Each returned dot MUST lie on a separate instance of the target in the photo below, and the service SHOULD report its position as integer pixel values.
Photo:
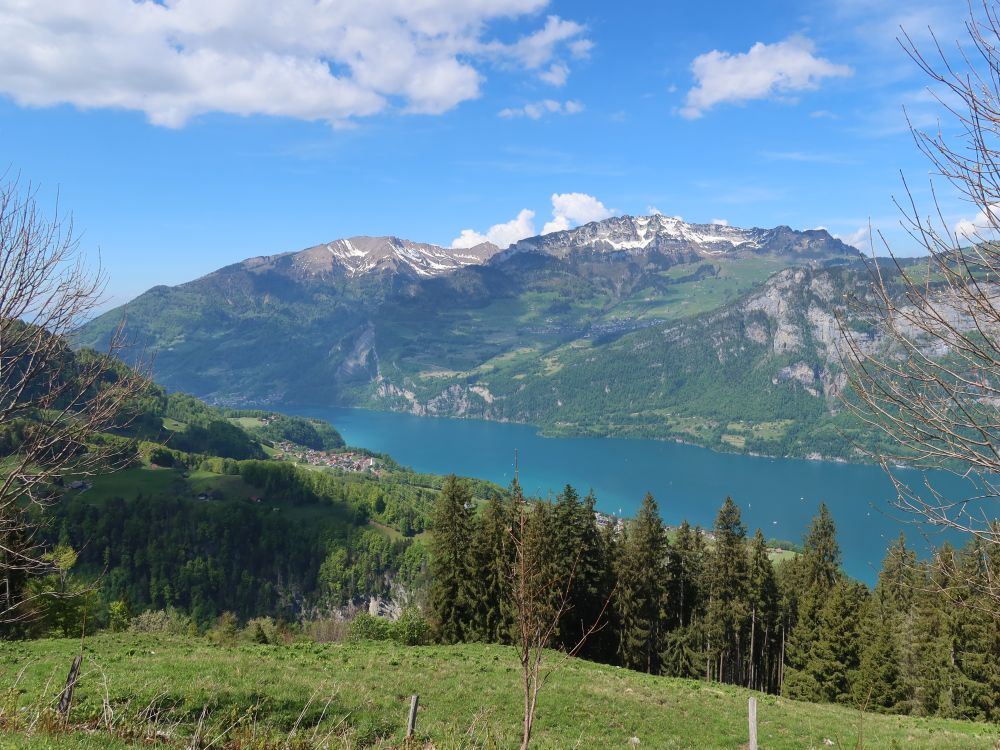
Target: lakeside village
(351, 461)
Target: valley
(631, 327)
(777, 495)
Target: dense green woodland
(203, 529)
(203, 524)
(712, 606)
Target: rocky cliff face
(633, 325)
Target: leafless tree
(53, 403)
(540, 597)
(924, 365)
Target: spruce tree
(808, 585)
(976, 640)
(450, 594)
(891, 633)
(685, 637)
(490, 575)
(763, 601)
(641, 591)
(728, 614)
(591, 591)
(880, 685)
(831, 670)
(821, 553)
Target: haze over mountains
(643, 326)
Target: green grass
(150, 482)
(131, 482)
(468, 698)
(247, 423)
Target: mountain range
(639, 326)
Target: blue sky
(186, 135)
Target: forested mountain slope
(629, 326)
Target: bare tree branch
(53, 402)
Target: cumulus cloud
(556, 74)
(859, 238)
(330, 61)
(572, 209)
(536, 110)
(653, 211)
(764, 71)
(568, 211)
(720, 222)
(501, 235)
(535, 50)
(981, 227)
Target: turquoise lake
(778, 495)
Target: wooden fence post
(753, 724)
(67, 694)
(411, 722)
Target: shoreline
(548, 434)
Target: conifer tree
(728, 613)
(807, 587)
(880, 684)
(975, 636)
(450, 594)
(890, 630)
(835, 657)
(685, 637)
(641, 589)
(821, 553)
(592, 586)
(763, 600)
(491, 564)
(935, 681)
(688, 564)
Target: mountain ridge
(524, 334)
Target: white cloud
(536, 50)
(653, 211)
(310, 60)
(556, 74)
(720, 222)
(859, 238)
(501, 235)
(764, 71)
(980, 227)
(572, 209)
(568, 211)
(580, 48)
(536, 110)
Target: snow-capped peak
(361, 255)
(671, 235)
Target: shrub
(411, 629)
(261, 630)
(225, 630)
(118, 617)
(329, 631)
(366, 627)
(168, 621)
(161, 457)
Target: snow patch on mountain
(358, 256)
(671, 235)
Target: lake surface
(778, 495)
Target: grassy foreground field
(307, 695)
